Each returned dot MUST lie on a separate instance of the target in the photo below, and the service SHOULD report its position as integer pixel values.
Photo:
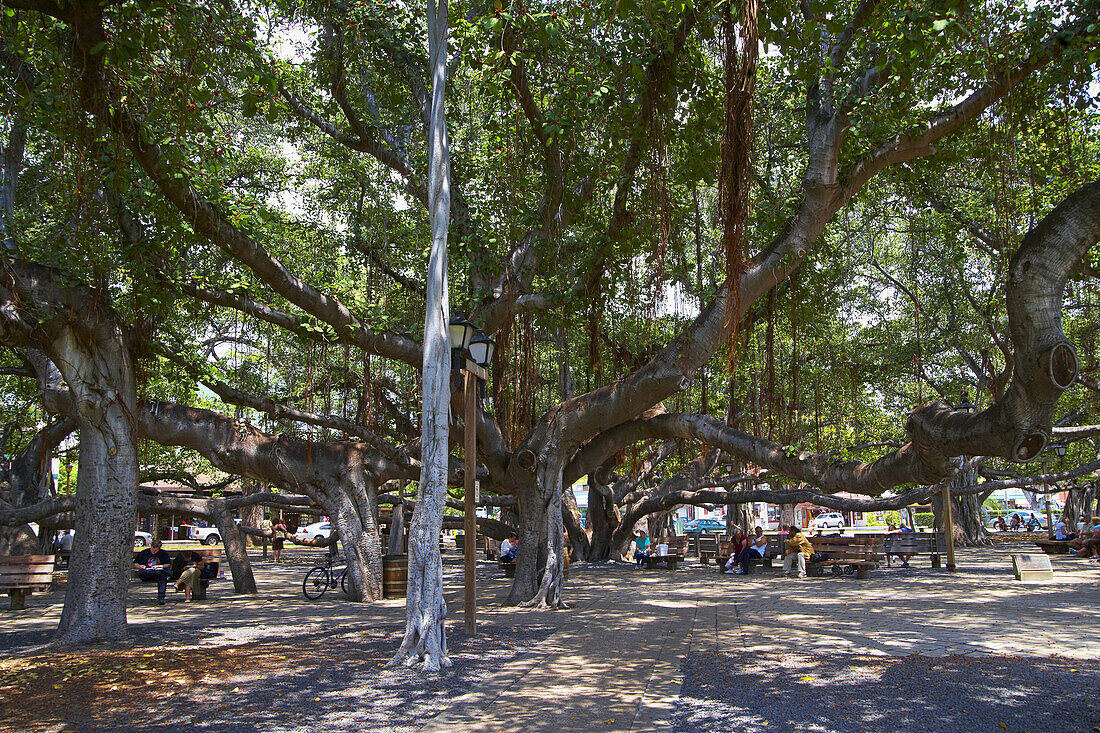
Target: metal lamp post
(466, 338)
(1059, 449)
(967, 406)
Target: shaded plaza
(639, 650)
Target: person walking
(278, 538)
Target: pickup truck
(205, 535)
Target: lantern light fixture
(461, 331)
(481, 349)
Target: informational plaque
(1032, 567)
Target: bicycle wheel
(344, 581)
(315, 583)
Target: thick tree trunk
(396, 539)
(531, 534)
(355, 515)
(604, 518)
(236, 552)
(80, 333)
(786, 515)
(552, 563)
(252, 515)
(425, 640)
(966, 512)
(29, 481)
(739, 516)
(100, 375)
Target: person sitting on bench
(799, 550)
(190, 569)
(641, 548)
(154, 564)
(1087, 543)
(1061, 531)
(892, 529)
(738, 543)
(755, 549)
(508, 549)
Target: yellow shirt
(799, 543)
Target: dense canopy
(217, 225)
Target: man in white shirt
(508, 549)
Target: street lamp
(461, 332)
(965, 405)
(1059, 449)
(468, 339)
(481, 349)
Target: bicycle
(322, 577)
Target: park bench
(210, 554)
(21, 575)
(773, 550)
(1053, 547)
(932, 544)
(852, 554)
(677, 552)
(707, 547)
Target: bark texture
(80, 333)
(425, 640)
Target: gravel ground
(739, 693)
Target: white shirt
(759, 544)
(1060, 530)
(505, 546)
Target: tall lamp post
(1060, 451)
(466, 339)
(948, 522)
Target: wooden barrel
(395, 576)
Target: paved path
(613, 661)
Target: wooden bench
(860, 555)
(932, 544)
(1053, 547)
(773, 550)
(707, 546)
(21, 575)
(209, 554)
(669, 561)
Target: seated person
(509, 548)
(189, 569)
(153, 563)
(1061, 531)
(1087, 543)
(799, 550)
(1017, 523)
(642, 550)
(892, 529)
(1033, 523)
(754, 549)
(737, 544)
(1001, 524)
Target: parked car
(827, 520)
(315, 531)
(205, 535)
(1025, 517)
(142, 539)
(704, 525)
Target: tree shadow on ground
(842, 694)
